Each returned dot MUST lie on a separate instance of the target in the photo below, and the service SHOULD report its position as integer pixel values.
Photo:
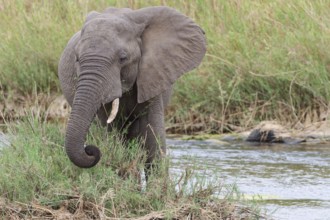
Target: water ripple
(295, 177)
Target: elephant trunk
(82, 114)
(86, 102)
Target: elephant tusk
(114, 110)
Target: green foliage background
(265, 59)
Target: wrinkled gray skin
(134, 55)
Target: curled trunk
(82, 114)
(93, 88)
(85, 104)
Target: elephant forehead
(111, 24)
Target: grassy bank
(265, 59)
(38, 181)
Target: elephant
(121, 67)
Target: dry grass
(77, 208)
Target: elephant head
(119, 48)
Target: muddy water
(294, 180)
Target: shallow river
(294, 180)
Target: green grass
(265, 59)
(38, 180)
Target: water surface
(294, 180)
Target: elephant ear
(172, 44)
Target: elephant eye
(122, 59)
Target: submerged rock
(259, 135)
(271, 132)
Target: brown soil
(50, 106)
(55, 107)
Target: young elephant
(126, 58)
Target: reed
(265, 59)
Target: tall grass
(265, 59)
(37, 180)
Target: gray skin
(133, 55)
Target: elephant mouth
(114, 111)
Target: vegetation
(38, 180)
(265, 59)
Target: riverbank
(38, 181)
(54, 107)
(37, 154)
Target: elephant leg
(150, 128)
